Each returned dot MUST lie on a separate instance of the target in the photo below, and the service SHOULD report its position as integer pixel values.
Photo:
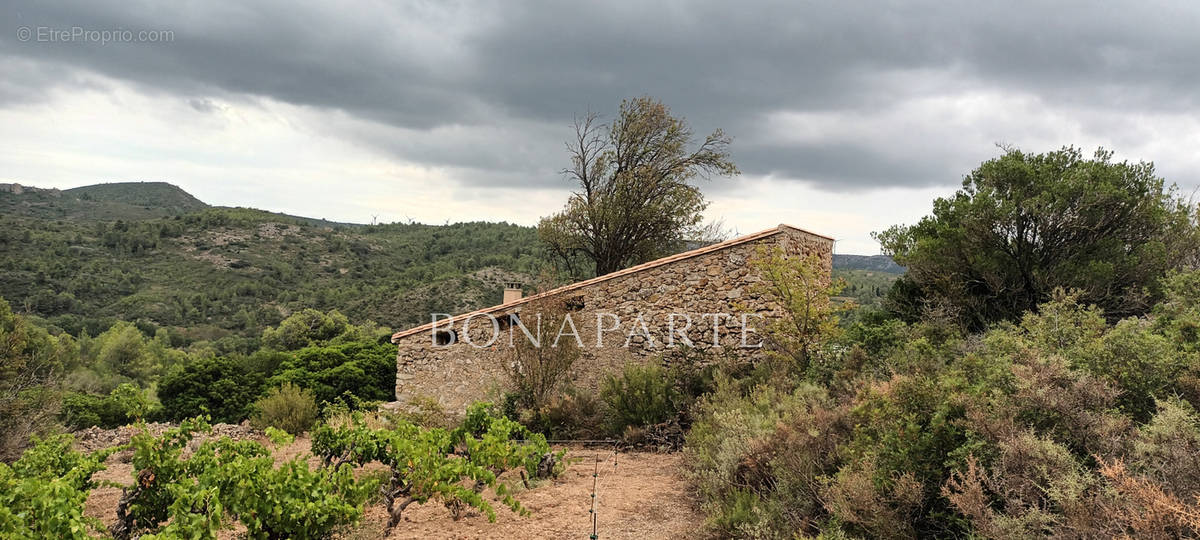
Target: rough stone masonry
(635, 313)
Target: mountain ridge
(173, 200)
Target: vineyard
(357, 476)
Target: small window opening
(445, 337)
(508, 321)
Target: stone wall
(719, 281)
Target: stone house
(704, 298)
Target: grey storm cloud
(491, 88)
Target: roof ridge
(612, 275)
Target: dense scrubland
(1034, 373)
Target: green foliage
(1063, 424)
(1143, 364)
(363, 370)
(641, 395)
(1025, 224)
(451, 466)
(31, 364)
(42, 494)
(123, 351)
(305, 328)
(800, 286)
(637, 197)
(217, 386)
(126, 404)
(288, 407)
(238, 479)
(220, 273)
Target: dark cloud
(491, 89)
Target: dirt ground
(643, 497)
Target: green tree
(123, 350)
(217, 386)
(802, 287)
(1025, 224)
(637, 197)
(365, 370)
(31, 364)
(304, 328)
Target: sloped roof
(613, 275)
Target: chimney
(512, 292)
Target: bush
(288, 407)
(220, 387)
(124, 405)
(758, 458)
(363, 369)
(574, 414)
(536, 369)
(642, 395)
(425, 411)
(31, 361)
(304, 328)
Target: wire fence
(594, 510)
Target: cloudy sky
(846, 118)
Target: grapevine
(42, 494)
(453, 467)
(222, 479)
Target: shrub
(288, 407)
(363, 369)
(536, 369)
(809, 317)
(425, 411)
(81, 411)
(574, 414)
(305, 328)
(31, 362)
(757, 457)
(216, 386)
(124, 405)
(641, 395)
(1143, 364)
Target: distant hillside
(875, 263)
(101, 202)
(144, 194)
(150, 252)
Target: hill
(160, 195)
(152, 253)
(875, 263)
(104, 202)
